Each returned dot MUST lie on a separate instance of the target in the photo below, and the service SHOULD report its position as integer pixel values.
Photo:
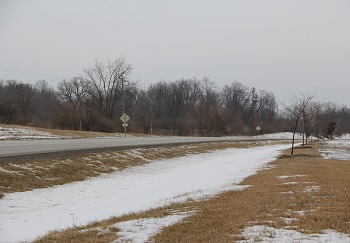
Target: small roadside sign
(125, 118)
(258, 129)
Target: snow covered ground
(265, 234)
(284, 135)
(19, 133)
(280, 135)
(337, 149)
(27, 215)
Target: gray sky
(277, 45)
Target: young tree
(298, 110)
(330, 129)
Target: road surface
(30, 147)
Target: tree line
(186, 107)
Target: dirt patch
(298, 156)
(303, 147)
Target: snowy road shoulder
(27, 215)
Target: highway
(29, 147)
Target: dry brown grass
(306, 189)
(46, 173)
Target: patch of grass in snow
(47, 173)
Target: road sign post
(125, 118)
(258, 129)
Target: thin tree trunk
(295, 128)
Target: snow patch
(17, 133)
(270, 234)
(311, 189)
(141, 230)
(337, 149)
(288, 220)
(287, 177)
(281, 135)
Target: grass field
(304, 194)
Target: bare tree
(108, 82)
(236, 96)
(266, 106)
(298, 110)
(73, 91)
(205, 112)
(174, 98)
(315, 116)
(235, 100)
(75, 95)
(142, 113)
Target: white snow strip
(141, 230)
(287, 177)
(337, 149)
(27, 215)
(270, 234)
(8, 133)
(281, 135)
(310, 189)
(288, 220)
(291, 183)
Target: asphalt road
(31, 147)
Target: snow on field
(281, 135)
(343, 136)
(284, 135)
(269, 234)
(10, 133)
(337, 149)
(140, 230)
(27, 215)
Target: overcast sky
(280, 46)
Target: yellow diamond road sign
(125, 118)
